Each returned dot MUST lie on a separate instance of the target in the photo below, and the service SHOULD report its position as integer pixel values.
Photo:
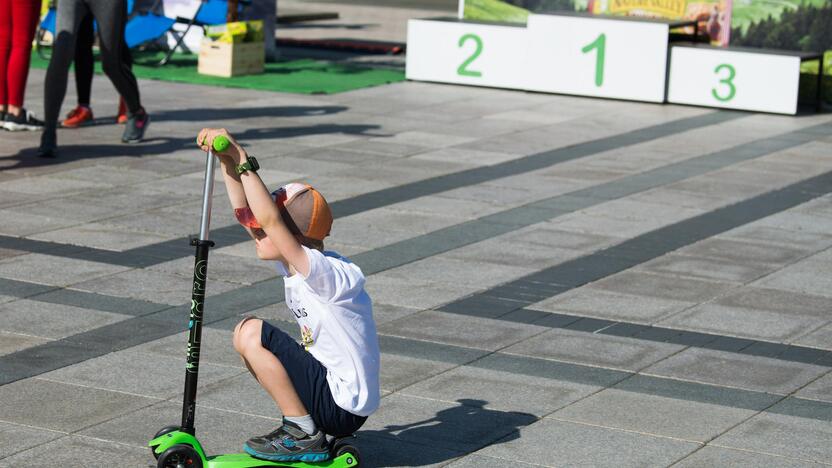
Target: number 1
(600, 44)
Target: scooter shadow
(452, 433)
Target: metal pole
(198, 299)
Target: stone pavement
(557, 281)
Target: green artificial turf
(304, 76)
(494, 10)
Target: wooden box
(227, 60)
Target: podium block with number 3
(598, 56)
(454, 51)
(734, 79)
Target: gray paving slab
(239, 394)
(720, 456)
(596, 350)
(398, 372)
(648, 414)
(56, 271)
(16, 438)
(464, 426)
(11, 342)
(820, 389)
(415, 294)
(675, 288)
(504, 391)
(782, 435)
(127, 371)
(812, 276)
(613, 305)
(150, 286)
(472, 332)
(475, 459)
(51, 321)
(820, 338)
(218, 348)
(737, 370)
(745, 322)
(63, 407)
(78, 452)
(707, 268)
(551, 442)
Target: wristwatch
(250, 164)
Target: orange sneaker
(122, 111)
(78, 117)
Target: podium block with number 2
(614, 58)
(453, 51)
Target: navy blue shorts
(309, 378)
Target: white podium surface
(734, 79)
(454, 51)
(598, 56)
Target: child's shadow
(453, 432)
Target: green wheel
(162, 431)
(179, 456)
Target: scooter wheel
(163, 431)
(179, 456)
(343, 449)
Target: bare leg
(266, 368)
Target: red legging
(18, 21)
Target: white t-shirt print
(335, 316)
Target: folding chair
(209, 13)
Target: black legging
(84, 61)
(111, 16)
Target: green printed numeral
(728, 81)
(600, 45)
(463, 69)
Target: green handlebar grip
(221, 143)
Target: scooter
(177, 446)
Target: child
(331, 383)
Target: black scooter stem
(198, 299)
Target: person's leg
(25, 14)
(69, 15)
(266, 368)
(5, 49)
(84, 61)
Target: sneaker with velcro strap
(289, 443)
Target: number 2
(463, 69)
(732, 90)
(600, 44)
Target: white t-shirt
(335, 316)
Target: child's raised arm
(256, 196)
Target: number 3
(732, 90)
(463, 69)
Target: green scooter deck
(240, 460)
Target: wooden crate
(227, 60)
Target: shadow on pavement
(452, 433)
(221, 113)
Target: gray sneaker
(289, 443)
(22, 122)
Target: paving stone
(612, 305)
(720, 456)
(820, 338)
(11, 342)
(78, 452)
(505, 391)
(218, 431)
(596, 350)
(63, 407)
(57, 271)
(127, 371)
(216, 347)
(151, 286)
(15, 439)
(444, 270)
(646, 284)
(736, 370)
(648, 414)
(465, 425)
(239, 394)
(101, 236)
(472, 332)
(398, 372)
(781, 435)
(744, 322)
(812, 275)
(820, 389)
(707, 268)
(741, 252)
(582, 445)
(51, 321)
(379, 449)
(408, 293)
(222, 267)
(475, 460)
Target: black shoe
(25, 121)
(136, 125)
(48, 144)
(289, 443)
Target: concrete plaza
(558, 281)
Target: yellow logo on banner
(663, 8)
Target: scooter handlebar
(221, 143)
